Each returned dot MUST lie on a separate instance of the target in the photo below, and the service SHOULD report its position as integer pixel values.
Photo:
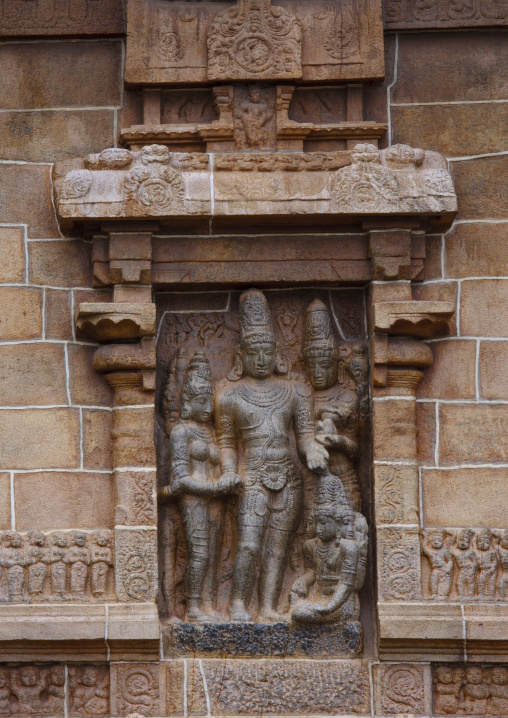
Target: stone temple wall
(103, 632)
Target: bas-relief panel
(261, 427)
(421, 14)
(61, 17)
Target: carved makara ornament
(153, 186)
(254, 40)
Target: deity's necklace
(274, 396)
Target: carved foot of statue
(271, 616)
(314, 613)
(238, 612)
(196, 615)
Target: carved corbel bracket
(422, 319)
(112, 322)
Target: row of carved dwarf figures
(247, 452)
(38, 690)
(73, 565)
(473, 690)
(471, 564)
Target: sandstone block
(5, 501)
(97, 439)
(411, 15)
(444, 67)
(438, 292)
(400, 687)
(86, 385)
(133, 435)
(32, 374)
(398, 563)
(39, 438)
(482, 185)
(136, 503)
(476, 433)
(20, 313)
(12, 250)
(452, 375)
(454, 130)
(494, 370)
(64, 18)
(58, 314)
(476, 250)
(433, 260)
(136, 565)
(394, 430)
(136, 687)
(483, 308)
(60, 74)
(426, 432)
(396, 494)
(32, 184)
(49, 136)
(465, 497)
(52, 500)
(60, 264)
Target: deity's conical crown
(317, 337)
(255, 319)
(198, 377)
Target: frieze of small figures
(412, 14)
(465, 564)
(473, 690)
(56, 566)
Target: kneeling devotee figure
(256, 413)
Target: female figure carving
(193, 466)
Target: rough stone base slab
(267, 687)
(261, 639)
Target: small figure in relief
(56, 690)
(101, 559)
(256, 413)
(252, 116)
(14, 561)
(498, 690)
(466, 562)
(335, 563)
(447, 687)
(436, 548)
(37, 559)
(89, 691)
(502, 551)
(78, 557)
(476, 692)
(194, 464)
(58, 559)
(5, 693)
(487, 565)
(28, 687)
(336, 405)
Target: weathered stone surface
(133, 434)
(260, 639)
(136, 565)
(398, 563)
(12, 249)
(5, 501)
(34, 185)
(483, 305)
(296, 41)
(451, 67)
(60, 263)
(410, 15)
(402, 687)
(454, 130)
(494, 370)
(473, 433)
(52, 500)
(20, 313)
(97, 439)
(448, 503)
(426, 432)
(19, 19)
(58, 314)
(53, 135)
(57, 432)
(483, 187)
(86, 386)
(60, 74)
(452, 375)
(135, 498)
(476, 250)
(396, 491)
(273, 687)
(32, 374)
(394, 430)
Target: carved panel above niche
(189, 42)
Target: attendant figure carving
(194, 464)
(256, 412)
(58, 560)
(89, 691)
(476, 692)
(5, 693)
(56, 689)
(487, 565)
(466, 562)
(499, 691)
(502, 551)
(101, 559)
(337, 407)
(447, 686)
(37, 559)
(28, 686)
(436, 548)
(251, 118)
(78, 557)
(14, 561)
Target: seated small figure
(335, 562)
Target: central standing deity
(256, 412)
